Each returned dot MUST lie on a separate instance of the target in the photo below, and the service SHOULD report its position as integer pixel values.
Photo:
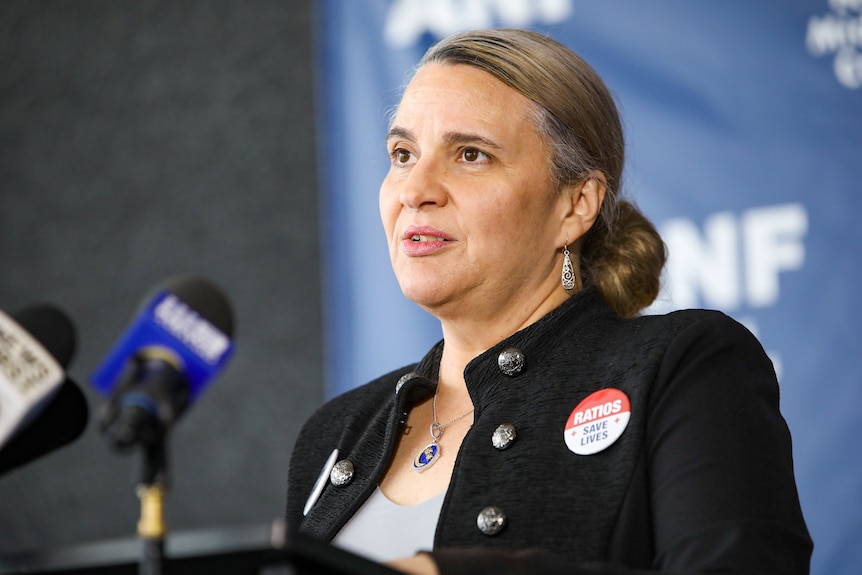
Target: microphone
(40, 409)
(179, 340)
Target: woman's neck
(470, 334)
(468, 337)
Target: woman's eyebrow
(448, 137)
(468, 138)
(397, 132)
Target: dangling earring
(568, 277)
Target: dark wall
(139, 140)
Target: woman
(553, 428)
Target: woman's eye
(401, 156)
(473, 155)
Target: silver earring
(568, 271)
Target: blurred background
(138, 141)
(243, 141)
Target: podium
(267, 549)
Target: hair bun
(625, 262)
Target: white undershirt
(382, 530)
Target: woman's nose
(424, 186)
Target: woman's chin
(425, 294)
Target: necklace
(428, 456)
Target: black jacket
(701, 480)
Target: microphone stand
(151, 492)
(140, 414)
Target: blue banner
(744, 126)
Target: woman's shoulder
(659, 326)
(678, 336)
(685, 317)
(685, 322)
(704, 323)
(709, 347)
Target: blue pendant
(426, 457)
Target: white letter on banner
(708, 265)
(408, 20)
(825, 35)
(848, 67)
(842, 6)
(525, 12)
(773, 243)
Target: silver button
(511, 361)
(491, 520)
(404, 379)
(503, 436)
(342, 473)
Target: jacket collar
(535, 342)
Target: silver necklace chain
(432, 452)
(438, 428)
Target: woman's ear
(585, 199)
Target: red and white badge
(597, 421)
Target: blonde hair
(622, 255)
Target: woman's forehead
(462, 93)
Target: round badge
(597, 421)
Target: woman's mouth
(424, 238)
(424, 241)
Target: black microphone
(40, 408)
(179, 340)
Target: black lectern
(256, 550)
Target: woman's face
(471, 214)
